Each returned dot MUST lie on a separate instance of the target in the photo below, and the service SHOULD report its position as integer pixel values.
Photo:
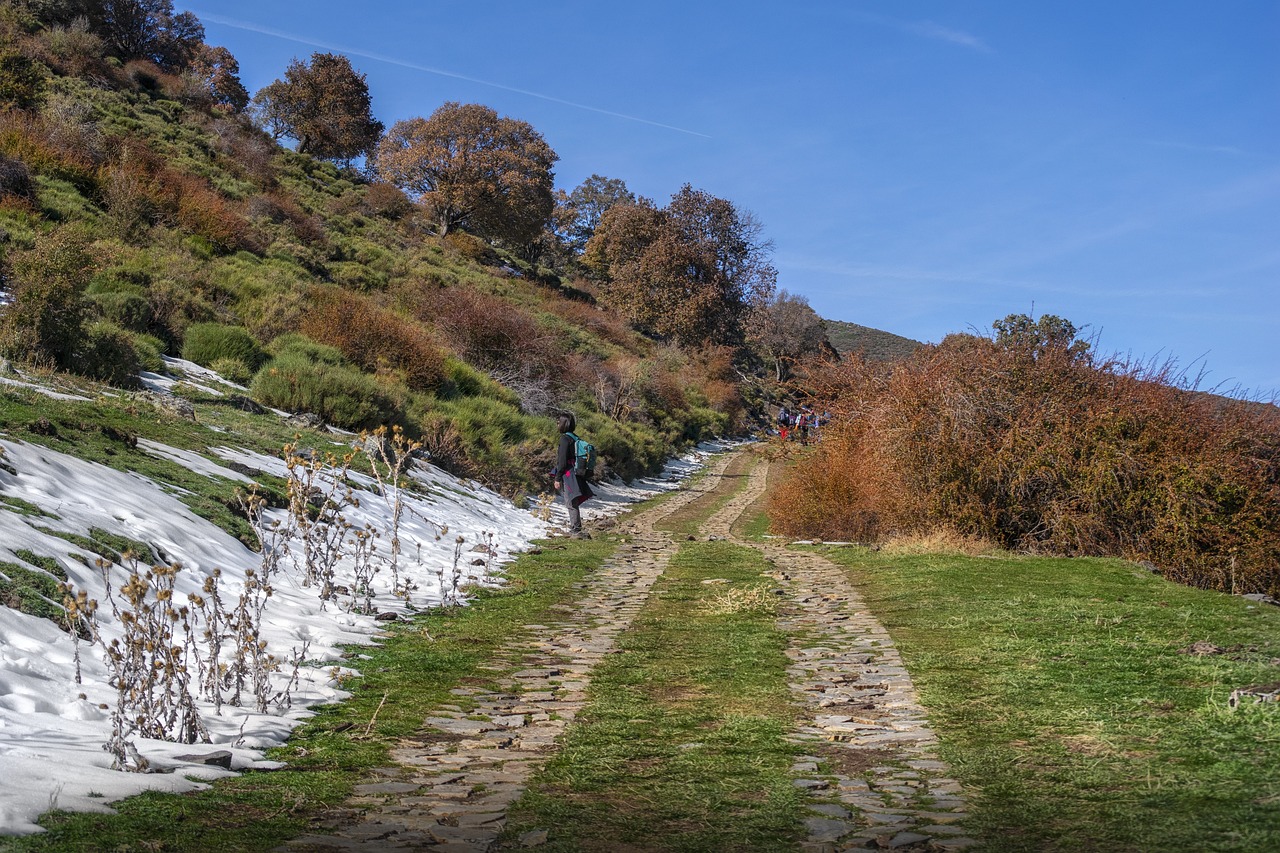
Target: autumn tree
(146, 29)
(219, 72)
(588, 203)
(325, 106)
(785, 329)
(690, 271)
(473, 170)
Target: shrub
(471, 247)
(342, 395)
(35, 141)
(22, 80)
(74, 50)
(149, 349)
(375, 338)
(128, 310)
(107, 353)
(387, 201)
(205, 343)
(15, 179)
(295, 343)
(232, 370)
(44, 322)
(1048, 449)
(174, 308)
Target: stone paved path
(860, 717)
(882, 785)
(452, 783)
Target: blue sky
(921, 167)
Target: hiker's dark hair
(566, 422)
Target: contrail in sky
(391, 60)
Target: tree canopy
(785, 329)
(1036, 337)
(146, 29)
(323, 105)
(690, 271)
(473, 170)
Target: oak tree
(219, 72)
(473, 170)
(323, 105)
(690, 271)
(785, 329)
(147, 29)
(589, 202)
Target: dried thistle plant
(749, 599)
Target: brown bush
(281, 209)
(141, 189)
(1057, 453)
(375, 338)
(608, 325)
(36, 143)
(15, 179)
(488, 331)
(386, 200)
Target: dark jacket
(564, 456)
(576, 488)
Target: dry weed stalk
(749, 599)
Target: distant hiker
(572, 485)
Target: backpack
(584, 456)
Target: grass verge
(413, 667)
(1068, 708)
(682, 744)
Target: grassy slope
(1068, 710)
(874, 344)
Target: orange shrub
(375, 338)
(1054, 452)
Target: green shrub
(44, 322)
(205, 343)
(30, 591)
(342, 395)
(463, 380)
(293, 343)
(149, 349)
(108, 354)
(232, 370)
(127, 310)
(22, 80)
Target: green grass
(685, 522)
(413, 667)
(1066, 708)
(681, 746)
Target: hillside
(141, 219)
(874, 344)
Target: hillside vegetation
(871, 344)
(429, 277)
(1032, 441)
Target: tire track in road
(452, 782)
(884, 786)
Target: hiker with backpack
(574, 460)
